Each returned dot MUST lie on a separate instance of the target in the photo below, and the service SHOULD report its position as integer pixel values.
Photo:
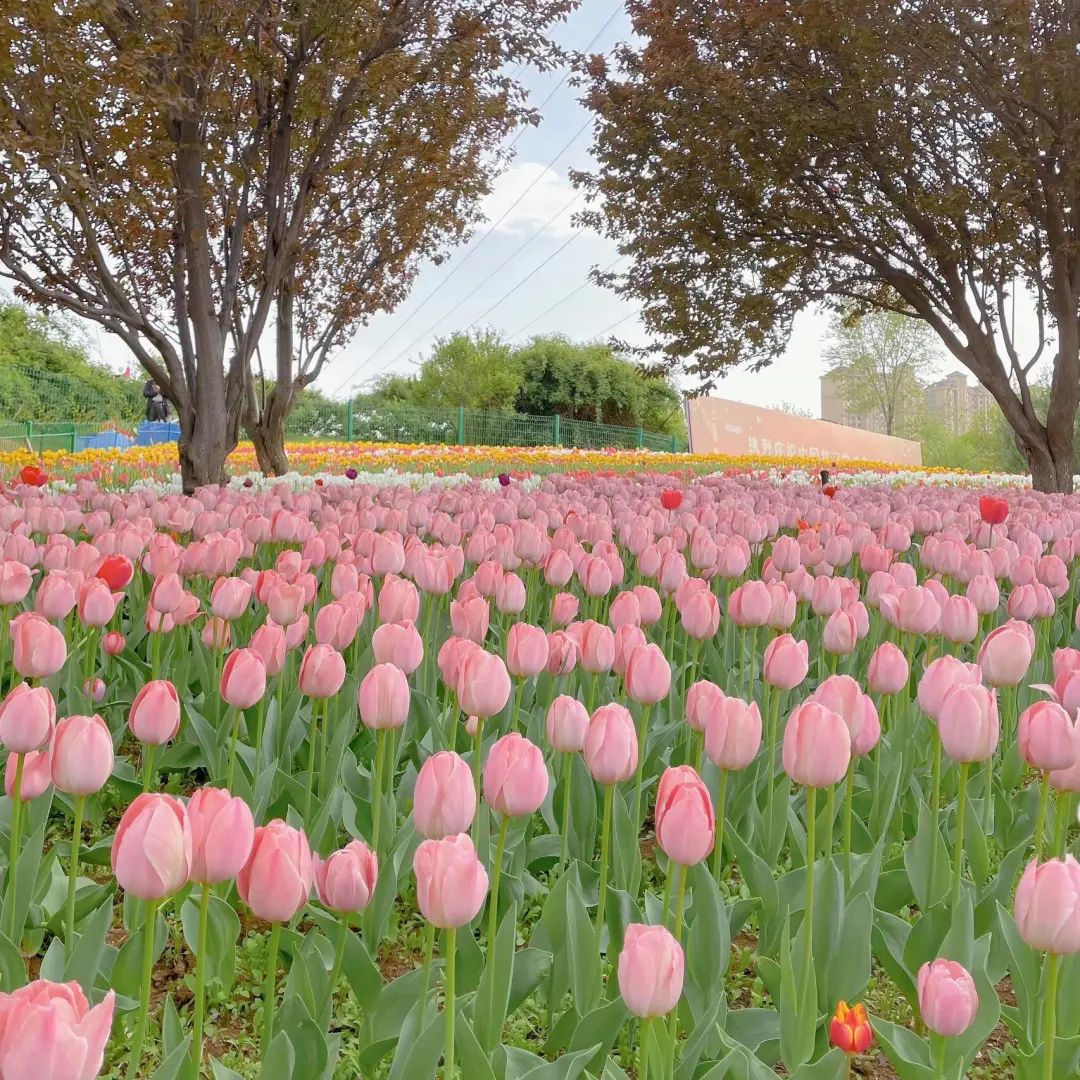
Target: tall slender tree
(921, 156)
(209, 181)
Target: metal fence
(362, 421)
(368, 421)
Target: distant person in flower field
(157, 407)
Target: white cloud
(531, 195)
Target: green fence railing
(367, 421)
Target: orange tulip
(850, 1029)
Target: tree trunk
(1051, 465)
(268, 435)
(204, 447)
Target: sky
(526, 271)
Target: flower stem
(1053, 962)
(148, 767)
(680, 902)
(935, 814)
(774, 723)
(73, 876)
(205, 893)
(150, 930)
(848, 795)
(643, 740)
(493, 905)
(16, 842)
(339, 959)
(564, 831)
(270, 988)
(377, 787)
(939, 1056)
(961, 813)
(313, 742)
(721, 810)
(425, 978)
(1040, 820)
(643, 1049)
(450, 1007)
(811, 855)
(605, 843)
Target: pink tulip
(786, 555)
(399, 644)
(49, 1031)
(611, 745)
(841, 634)
(948, 999)
(515, 776)
(216, 633)
(469, 618)
(968, 723)
(222, 835)
(97, 603)
(230, 598)
(1047, 905)
(483, 687)
(784, 603)
(322, 671)
(940, 676)
(786, 662)
(887, 672)
(15, 582)
(286, 603)
(275, 882)
(36, 777)
(113, 643)
(154, 717)
(566, 724)
(564, 608)
(510, 595)
(346, 880)
(843, 695)
(685, 826)
(624, 609)
(151, 852)
(597, 647)
(444, 800)
(700, 615)
(38, 649)
(649, 604)
(1047, 737)
(399, 601)
(82, 755)
(562, 654)
(269, 642)
(558, 569)
(27, 718)
(383, 698)
(1005, 654)
(57, 595)
(750, 604)
(959, 620)
(919, 611)
(733, 733)
(451, 883)
(651, 967)
(702, 701)
(243, 679)
(983, 592)
(628, 639)
(167, 593)
(648, 675)
(337, 624)
(817, 746)
(526, 650)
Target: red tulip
(992, 509)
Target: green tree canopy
(550, 375)
(759, 159)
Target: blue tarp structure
(102, 440)
(152, 432)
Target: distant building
(951, 401)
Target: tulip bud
(651, 969)
(383, 697)
(151, 852)
(154, 716)
(346, 880)
(243, 679)
(567, 723)
(948, 999)
(222, 834)
(451, 883)
(82, 755)
(611, 745)
(515, 776)
(275, 883)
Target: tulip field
(547, 773)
